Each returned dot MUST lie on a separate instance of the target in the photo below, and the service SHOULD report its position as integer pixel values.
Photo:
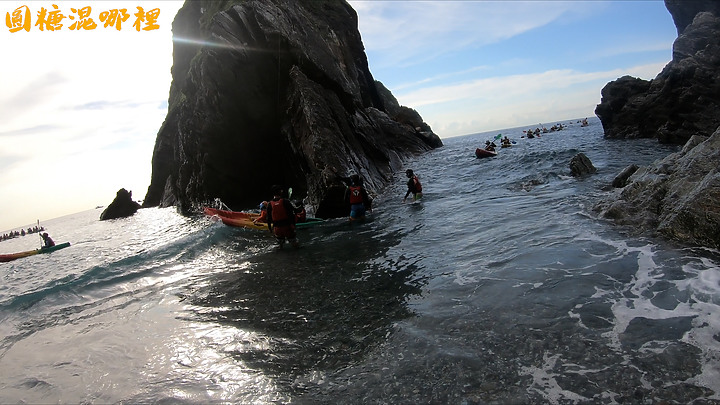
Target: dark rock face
(581, 165)
(684, 99)
(677, 197)
(621, 180)
(122, 206)
(276, 92)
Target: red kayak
(483, 153)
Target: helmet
(408, 172)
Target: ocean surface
(500, 286)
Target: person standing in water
(413, 186)
(358, 198)
(281, 217)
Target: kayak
(482, 153)
(245, 219)
(229, 214)
(14, 256)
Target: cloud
(516, 87)
(630, 48)
(37, 129)
(403, 33)
(507, 101)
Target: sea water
(500, 286)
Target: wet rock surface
(677, 197)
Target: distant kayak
(14, 256)
(483, 153)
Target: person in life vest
(47, 240)
(300, 213)
(413, 185)
(281, 217)
(263, 213)
(359, 200)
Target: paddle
(42, 241)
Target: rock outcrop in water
(122, 206)
(676, 197)
(684, 99)
(580, 165)
(276, 92)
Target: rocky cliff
(676, 197)
(684, 99)
(276, 92)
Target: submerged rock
(676, 197)
(684, 99)
(122, 206)
(276, 92)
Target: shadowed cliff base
(276, 92)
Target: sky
(80, 109)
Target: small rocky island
(679, 196)
(276, 92)
(122, 206)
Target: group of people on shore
(22, 232)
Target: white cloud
(508, 101)
(405, 33)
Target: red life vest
(356, 195)
(279, 213)
(418, 186)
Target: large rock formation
(684, 99)
(122, 206)
(678, 196)
(276, 92)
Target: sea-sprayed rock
(122, 206)
(276, 92)
(684, 99)
(677, 197)
(580, 165)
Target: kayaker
(281, 217)
(300, 213)
(47, 240)
(263, 213)
(359, 200)
(413, 185)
